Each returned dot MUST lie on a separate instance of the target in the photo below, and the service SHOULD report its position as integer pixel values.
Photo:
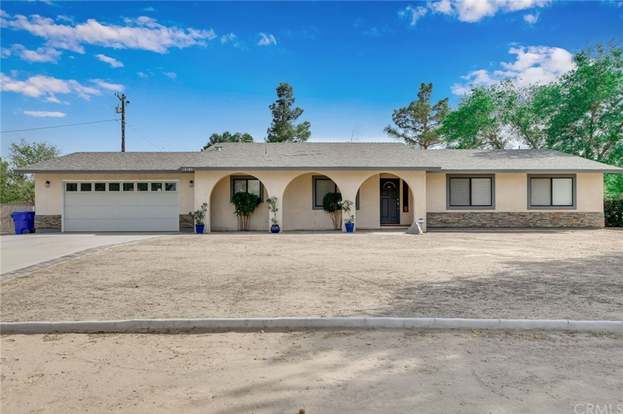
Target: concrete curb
(302, 323)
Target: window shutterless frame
(469, 206)
(315, 179)
(246, 179)
(552, 206)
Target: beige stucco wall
(511, 193)
(222, 214)
(293, 188)
(49, 200)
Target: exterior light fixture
(47, 184)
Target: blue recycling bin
(24, 221)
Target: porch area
(381, 199)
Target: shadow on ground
(551, 289)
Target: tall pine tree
(283, 128)
(418, 123)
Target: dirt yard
(538, 274)
(334, 372)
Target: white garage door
(121, 206)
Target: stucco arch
(221, 210)
(298, 208)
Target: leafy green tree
(17, 186)
(244, 205)
(481, 119)
(9, 192)
(227, 136)
(589, 119)
(530, 112)
(418, 123)
(283, 128)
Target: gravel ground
(529, 274)
(334, 372)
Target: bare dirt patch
(548, 274)
(335, 372)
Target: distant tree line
(18, 187)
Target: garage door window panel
(99, 186)
(142, 186)
(156, 187)
(71, 187)
(170, 187)
(114, 186)
(86, 187)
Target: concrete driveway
(20, 251)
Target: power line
(58, 126)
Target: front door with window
(390, 201)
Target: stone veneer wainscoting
(47, 223)
(536, 219)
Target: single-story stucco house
(393, 185)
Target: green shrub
(331, 203)
(613, 212)
(244, 206)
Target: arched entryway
(222, 217)
(385, 199)
(302, 202)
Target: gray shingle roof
(321, 156)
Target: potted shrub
(331, 204)
(244, 206)
(199, 218)
(272, 207)
(349, 220)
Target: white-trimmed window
(321, 187)
(551, 191)
(470, 191)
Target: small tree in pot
(272, 207)
(244, 206)
(349, 218)
(198, 217)
(331, 204)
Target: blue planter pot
(350, 227)
(199, 228)
(275, 228)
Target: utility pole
(121, 110)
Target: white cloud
(170, 75)
(142, 75)
(114, 63)
(472, 11)
(266, 39)
(46, 87)
(45, 114)
(531, 18)
(412, 14)
(149, 9)
(533, 65)
(40, 55)
(231, 39)
(141, 33)
(115, 87)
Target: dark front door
(390, 201)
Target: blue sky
(190, 69)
